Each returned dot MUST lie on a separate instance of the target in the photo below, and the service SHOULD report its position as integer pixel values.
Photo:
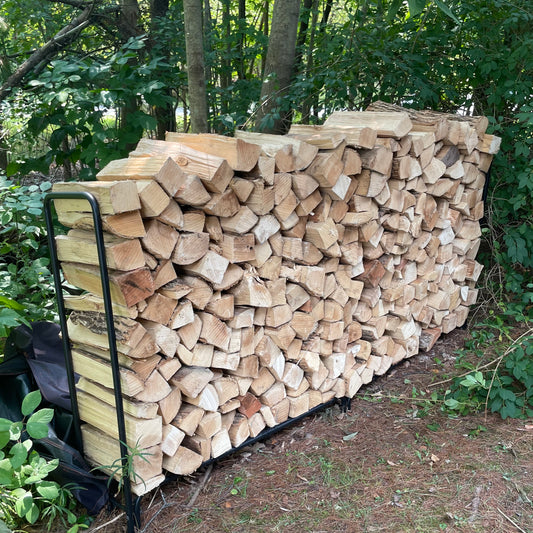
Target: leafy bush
(26, 284)
(71, 101)
(26, 495)
(504, 384)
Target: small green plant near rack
(27, 496)
(118, 471)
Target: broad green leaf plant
(27, 496)
(26, 283)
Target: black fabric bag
(34, 360)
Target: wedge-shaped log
(140, 432)
(192, 380)
(190, 247)
(252, 291)
(211, 267)
(154, 200)
(128, 225)
(184, 462)
(214, 171)
(95, 368)
(161, 169)
(359, 137)
(290, 154)
(90, 328)
(160, 240)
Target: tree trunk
(225, 74)
(192, 10)
(165, 114)
(265, 28)
(312, 100)
(241, 69)
(128, 26)
(279, 64)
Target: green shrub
(504, 383)
(26, 495)
(26, 284)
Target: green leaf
(446, 10)
(19, 455)
(416, 7)
(6, 473)
(15, 430)
(11, 304)
(10, 318)
(37, 425)
(48, 490)
(4, 438)
(33, 514)
(5, 424)
(393, 9)
(451, 403)
(31, 402)
(23, 502)
(12, 168)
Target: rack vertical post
(132, 510)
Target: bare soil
(392, 463)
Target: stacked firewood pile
(256, 277)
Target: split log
(240, 155)
(386, 124)
(290, 154)
(113, 198)
(214, 171)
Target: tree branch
(74, 3)
(62, 39)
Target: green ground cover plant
(27, 496)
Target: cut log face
(190, 247)
(243, 300)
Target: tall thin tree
(194, 44)
(279, 65)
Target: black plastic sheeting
(34, 360)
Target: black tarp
(33, 360)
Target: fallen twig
(201, 485)
(512, 521)
(106, 524)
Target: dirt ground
(389, 464)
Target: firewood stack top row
(256, 277)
